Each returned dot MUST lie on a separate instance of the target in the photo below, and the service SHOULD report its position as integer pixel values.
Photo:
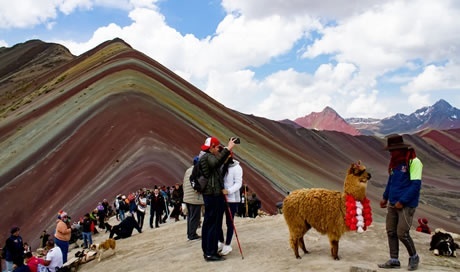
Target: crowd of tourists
(164, 203)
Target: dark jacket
(404, 184)
(177, 196)
(210, 166)
(127, 226)
(157, 203)
(86, 225)
(15, 249)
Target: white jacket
(233, 181)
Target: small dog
(104, 246)
(443, 244)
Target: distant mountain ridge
(439, 116)
(328, 119)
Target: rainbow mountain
(77, 129)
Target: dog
(443, 244)
(103, 247)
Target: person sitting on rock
(423, 226)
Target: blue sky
(272, 58)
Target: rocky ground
(265, 247)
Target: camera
(236, 140)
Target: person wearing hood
(233, 180)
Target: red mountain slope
(328, 119)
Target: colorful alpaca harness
(358, 214)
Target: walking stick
(233, 223)
(246, 200)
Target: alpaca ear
(356, 168)
(352, 168)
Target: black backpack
(197, 179)
(122, 205)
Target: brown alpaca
(326, 210)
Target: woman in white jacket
(233, 180)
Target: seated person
(125, 228)
(32, 261)
(53, 259)
(423, 226)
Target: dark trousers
(140, 218)
(157, 215)
(193, 220)
(253, 211)
(229, 222)
(176, 211)
(64, 246)
(101, 221)
(119, 232)
(212, 223)
(398, 223)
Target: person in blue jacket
(401, 199)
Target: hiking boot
(196, 237)
(220, 246)
(390, 264)
(213, 258)
(413, 263)
(225, 250)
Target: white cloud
(365, 104)
(324, 8)
(387, 36)
(418, 100)
(29, 13)
(69, 6)
(357, 47)
(435, 78)
(26, 13)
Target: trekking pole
(233, 223)
(246, 200)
